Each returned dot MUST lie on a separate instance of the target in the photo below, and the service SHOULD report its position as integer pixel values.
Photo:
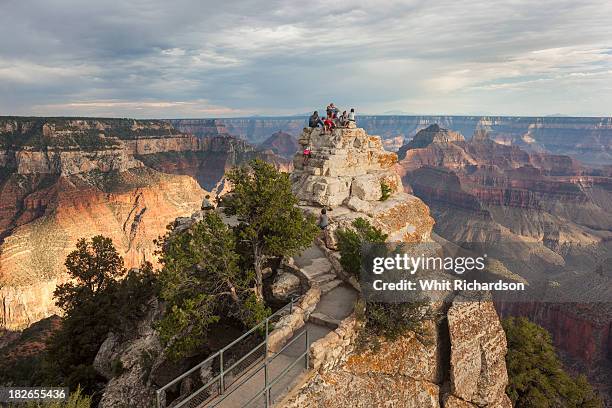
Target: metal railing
(266, 390)
(221, 367)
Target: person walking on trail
(323, 219)
(314, 120)
(351, 115)
(206, 204)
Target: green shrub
(389, 321)
(350, 243)
(385, 191)
(536, 375)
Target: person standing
(323, 219)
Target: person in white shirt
(351, 115)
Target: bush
(536, 375)
(389, 321)
(385, 191)
(95, 301)
(351, 241)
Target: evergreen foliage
(201, 281)
(351, 240)
(536, 375)
(270, 223)
(95, 301)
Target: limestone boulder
(366, 187)
(285, 285)
(478, 351)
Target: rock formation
(431, 134)
(66, 179)
(281, 143)
(550, 212)
(346, 173)
(461, 360)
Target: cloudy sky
(194, 58)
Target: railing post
(266, 379)
(267, 329)
(221, 382)
(158, 395)
(307, 351)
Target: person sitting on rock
(329, 125)
(314, 120)
(351, 115)
(334, 110)
(307, 155)
(206, 204)
(343, 119)
(323, 219)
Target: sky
(194, 58)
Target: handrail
(219, 354)
(269, 385)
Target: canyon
(543, 184)
(66, 179)
(545, 216)
(588, 139)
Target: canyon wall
(586, 139)
(66, 179)
(548, 217)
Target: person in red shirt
(329, 124)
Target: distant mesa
(431, 134)
(281, 143)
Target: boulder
(478, 352)
(285, 284)
(359, 205)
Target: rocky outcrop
(281, 143)
(127, 362)
(346, 173)
(431, 134)
(478, 350)
(457, 362)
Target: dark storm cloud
(195, 58)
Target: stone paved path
(337, 301)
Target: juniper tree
(270, 223)
(201, 281)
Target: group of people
(333, 119)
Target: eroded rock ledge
(460, 364)
(461, 361)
